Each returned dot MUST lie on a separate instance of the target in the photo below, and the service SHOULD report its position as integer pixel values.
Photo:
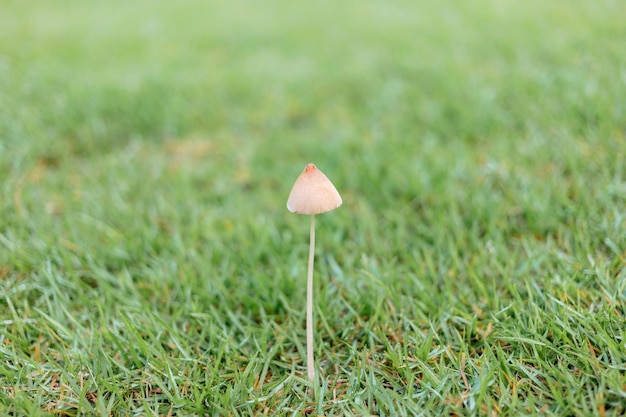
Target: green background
(148, 264)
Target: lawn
(149, 265)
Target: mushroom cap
(313, 193)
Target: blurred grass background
(149, 265)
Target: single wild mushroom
(312, 194)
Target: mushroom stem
(310, 364)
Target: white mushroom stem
(310, 364)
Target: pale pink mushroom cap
(313, 193)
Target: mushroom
(312, 194)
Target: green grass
(149, 266)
